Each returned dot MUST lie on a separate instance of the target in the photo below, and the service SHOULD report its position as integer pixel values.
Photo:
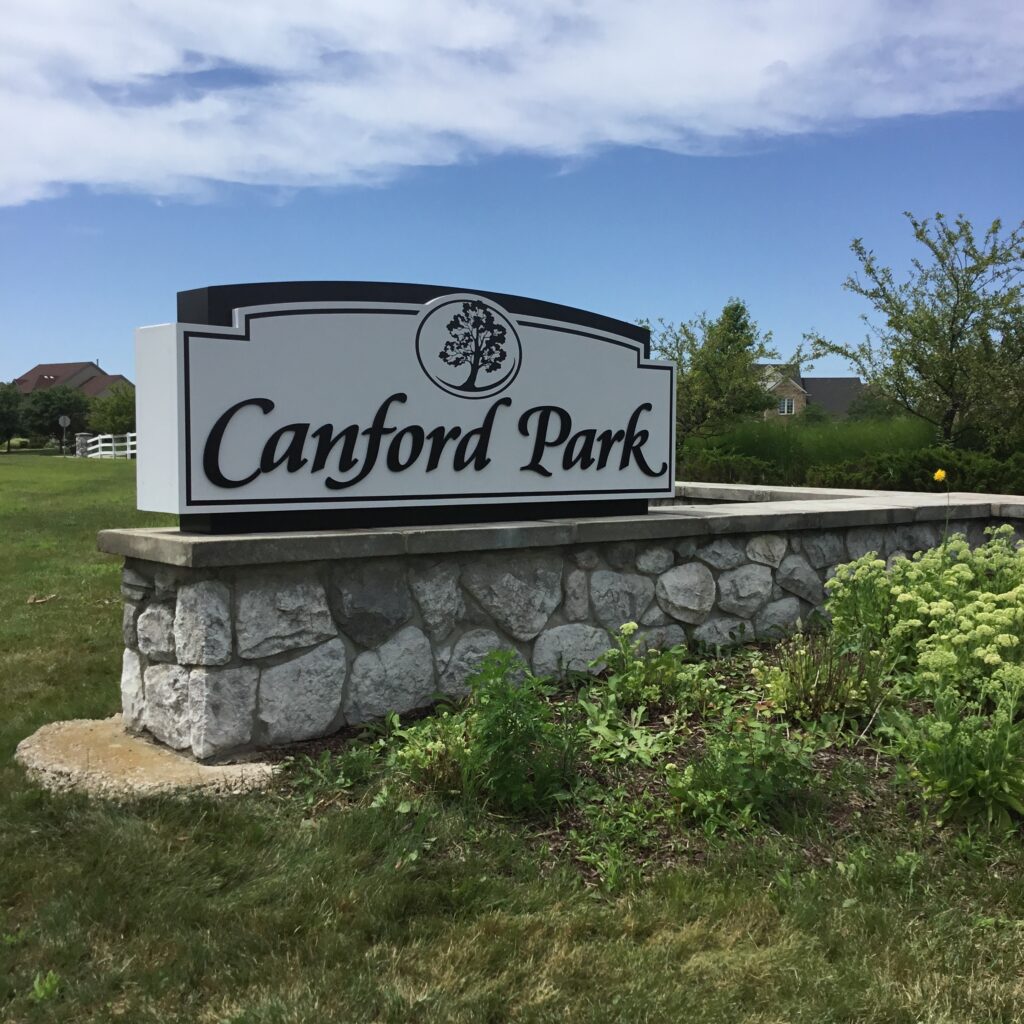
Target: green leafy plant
(752, 770)
(45, 986)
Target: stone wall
(227, 657)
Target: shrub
(636, 675)
(753, 770)
(814, 675)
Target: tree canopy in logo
(476, 340)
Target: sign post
(65, 422)
(336, 404)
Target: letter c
(211, 451)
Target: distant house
(88, 378)
(794, 392)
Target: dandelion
(939, 475)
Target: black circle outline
(455, 392)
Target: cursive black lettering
(211, 450)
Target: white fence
(111, 446)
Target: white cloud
(166, 96)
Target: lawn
(313, 904)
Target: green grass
(249, 910)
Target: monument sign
(334, 397)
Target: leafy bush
(814, 675)
(637, 675)
(753, 770)
(505, 748)
(912, 471)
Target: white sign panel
(457, 400)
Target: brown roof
(102, 382)
(48, 375)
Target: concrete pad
(97, 757)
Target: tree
(475, 339)
(43, 410)
(10, 412)
(948, 344)
(114, 414)
(718, 380)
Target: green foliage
(912, 471)
(45, 986)
(754, 770)
(717, 380)
(506, 748)
(11, 403)
(43, 409)
(638, 675)
(114, 414)
(948, 344)
(814, 675)
(789, 450)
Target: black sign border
(392, 500)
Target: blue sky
(735, 162)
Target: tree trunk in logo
(475, 339)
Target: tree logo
(468, 348)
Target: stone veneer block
(166, 711)
(568, 649)
(280, 611)
(619, 597)
(202, 623)
(796, 576)
(398, 676)
(744, 590)
(155, 631)
(519, 592)
(577, 596)
(299, 699)
(439, 597)
(133, 701)
(722, 554)
(767, 549)
(687, 592)
(370, 600)
(458, 663)
(655, 560)
(221, 708)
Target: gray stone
(279, 612)
(299, 698)
(621, 555)
(767, 549)
(862, 539)
(661, 638)
(777, 619)
(912, 537)
(894, 557)
(724, 631)
(722, 553)
(577, 596)
(398, 676)
(619, 597)
(796, 576)
(586, 558)
(823, 547)
(371, 599)
(437, 592)
(132, 692)
(568, 649)
(135, 585)
(463, 659)
(165, 582)
(166, 711)
(744, 590)
(221, 708)
(655, 560)
(686, 549)
(129, 622)
(155, 629)
(202, 623)
(520, 591)
(687, 592)
(777, 592)
(654, 616)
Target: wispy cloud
(166, 98)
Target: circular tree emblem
(469, 348)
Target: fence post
(82, 445)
